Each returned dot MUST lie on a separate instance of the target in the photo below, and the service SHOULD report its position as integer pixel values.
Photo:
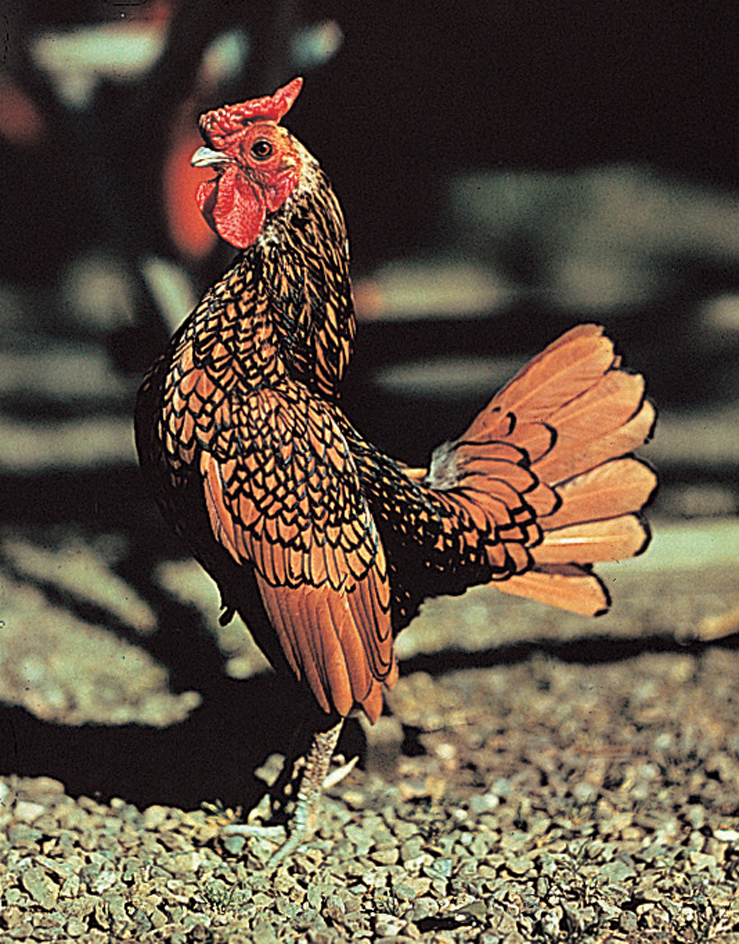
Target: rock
(27, 812)
(40, 887)
(387, 924)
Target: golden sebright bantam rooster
(324, 545)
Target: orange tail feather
(577, 416)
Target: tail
(571, 418)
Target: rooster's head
(257, 164)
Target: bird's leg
(310, 772)
(303, 821)
(283, 792)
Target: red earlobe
(277, 193)
(206, 199)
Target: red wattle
(233, 208)
(206, 200)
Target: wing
(282, 493)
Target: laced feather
(576, 416)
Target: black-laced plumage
(324, 545)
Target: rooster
(325, 546)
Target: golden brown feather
(326, 546)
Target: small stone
(44, 787)
(23, 836)
(157, 917)
(103, 881)
(82, 906)
(117, 907)
(102, 914)
(27, 812)
(419, 884)
(483, 803)
(550, 923)
(13, 917)
(360, 838)
(404, 830)
(411, 849)
(62, 867)
(585, 792)
(314, 895)
(439, 868)
(519, 865)
(386, 925)
(386, 856)
(588, 917)
(424, 908)
(726, 835)
(404, 891)
(70, 887)
(263, 932)
(75, 927)
(154, 816)
(627, 921)
(617, 871)
(649, 893)
(40, 887)
(234, 843)
(181, 863)
(702, 860)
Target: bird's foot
(302, 812)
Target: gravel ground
(557, 797)
(537, 777)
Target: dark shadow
(212, 755)
(593, 650)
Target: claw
(336, 776)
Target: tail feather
(612, 418)
(600, 409)
(561, 373)
(615, 488)
(574, 417)
(592, 541)
(567, 587)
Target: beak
(206, 157)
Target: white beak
(206, 157)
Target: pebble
(26, 812)
(40, 887)
(627, 921)
(500, 853)
(234, 844)
(75, 927)
(155, 816)
(386, 925)
(519, 865)
(726, 835)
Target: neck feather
(305, 256)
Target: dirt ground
(536, 776)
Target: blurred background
(506, 169)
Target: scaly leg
(303, 818)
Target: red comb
(231, 119)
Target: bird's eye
(261, 149)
